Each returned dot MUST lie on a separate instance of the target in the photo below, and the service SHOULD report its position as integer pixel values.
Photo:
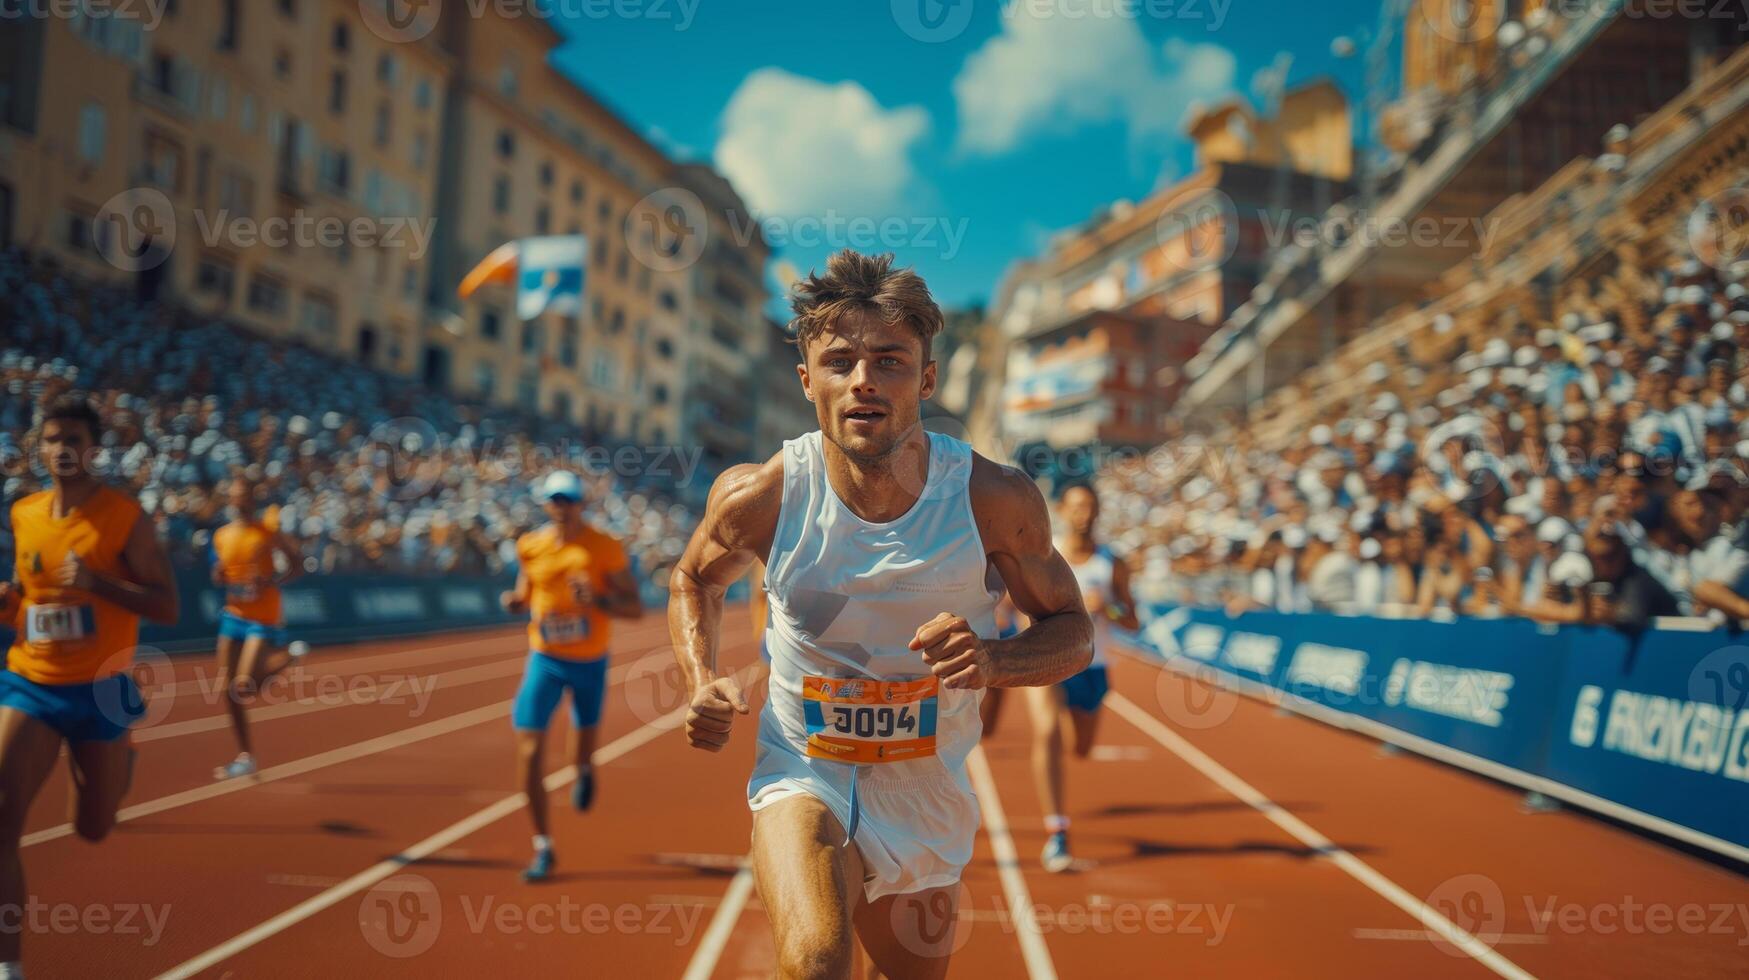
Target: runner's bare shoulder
(1010, 510)
(744, 505)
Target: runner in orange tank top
(251, 560)
(88, 569)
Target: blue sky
(973, 130)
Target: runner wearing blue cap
(571, 579)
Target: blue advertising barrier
(1652, 729)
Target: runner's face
(563, 510)
(1080, 509)
(65, 446)
(867, 380)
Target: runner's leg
(101, 772)
(809, 884)
(1045, 704)
(910, 935)
(28, 748)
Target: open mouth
(867, 416)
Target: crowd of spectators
(364, 470)
(1581, 461)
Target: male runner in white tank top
(886, 549)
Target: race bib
(867, 721)
(59, 624)
(564, 629)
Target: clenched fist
(954, 653)
(713, 709)
(73, 574)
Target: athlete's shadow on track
(1142, 849)
(1189, 809)
(331, 828)
(593, 874)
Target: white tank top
(847, 595)
(1094, 575)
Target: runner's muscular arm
(1016, 529)
(150, 592)
(294, 562)
(621, 599)
(1120, 584)
(739, 521)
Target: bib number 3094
(867, 721)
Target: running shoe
(541, 867)
(243, 765)
(583, 790)
(1056, 857)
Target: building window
(601, 371)
(93, 130)
(542, 220)
(163, 164)
(236, 193)
(334, 171)
(282, 65)
(420, 148)
(665, 299)
(422, 94)
(562, 406)
(215, 278)
(546, 174)
(230, 24)
(266, 295)
(317, 318)
(489, 324)
(410, 281)
(576, 192)
(288, 9)
(384, 123)
(79, 233)
(342, 36)
(337, 93)
(659, 395)
(531, 336)
(388, 70)
(218, 97)
(506, 144)
(246, 115)
(484, 380)
(665, 349)
(501, 195)
(507, 81)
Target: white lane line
(425, 848)
(716, 936)
(383, 690)
(298, 767)
(346, 753)
(1020, 909)
(436, 842)
(1355, 867)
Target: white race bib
(59, 624)
(564, 629)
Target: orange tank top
(559, 626)
(68, 636)
(244, 550)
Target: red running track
(383, 838)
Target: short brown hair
(73, 406)
(863, 283)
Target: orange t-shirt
(559, 626)
(69, 636)
(245, 557)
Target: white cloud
(1046, 73)
(798, 146)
